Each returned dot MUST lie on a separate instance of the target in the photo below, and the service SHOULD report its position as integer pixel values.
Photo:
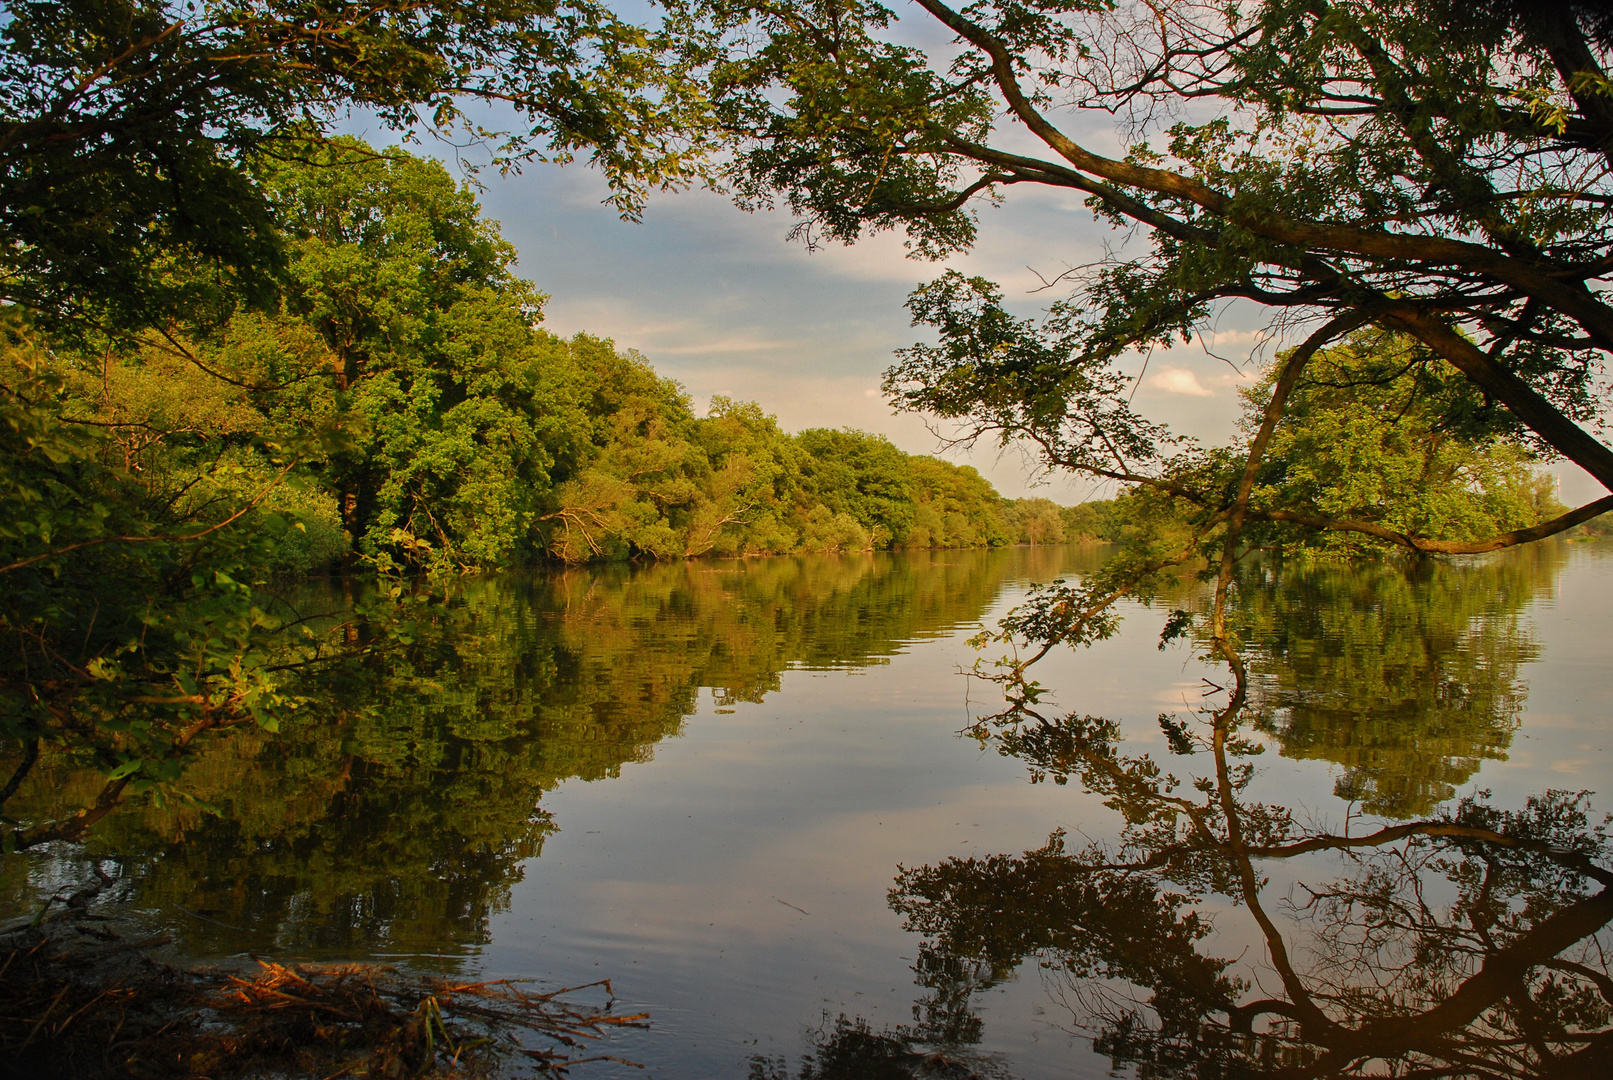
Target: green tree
(1037, 521)
(754, 480)
(954, 506)
(862, 476)
(636, 466)
(1434, 169)
(1396, 447)
(126, 128)
(435, 360)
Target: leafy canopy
(125, 126)
(1436, 169)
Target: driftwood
(81, 999)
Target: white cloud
(1175, 380)
(1234, 337)
(712, 348)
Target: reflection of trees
(400, 823)
(1406, 674)
(1464, 943)
(1468, 943)
(851, 1049)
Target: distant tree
(1038, 521)
(1377, 445)
(954, 506)
(863, 476)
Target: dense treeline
(456, 432)
(396, 406)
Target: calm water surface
(739, 791)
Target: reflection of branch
(1388, 835)
(1501, 975)
(30, 755)
(1316, 1022)
(1241, 1017)
(1600, 979)
(111, 795)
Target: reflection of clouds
(1176, 380)
(1559, 721)
(1178, 693)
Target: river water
(738, 790)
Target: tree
(1436, 169)
(139, 214)
(860, 475)
(1397, 447)
(456, 407)
(954, 506)
(125, 126)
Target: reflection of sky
(735, 884)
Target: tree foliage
(1436, 170)
(126, 128)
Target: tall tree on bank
(1438, 169)
(131, 627)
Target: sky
(721, 301)
(724, 303)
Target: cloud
(1175, 380)
(712, 348)
(1235, 337)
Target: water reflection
(1404, 673)
(1212, 930)
(1464, 941)
(399, 825)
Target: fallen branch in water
(80, 1000)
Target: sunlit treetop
(124, 125)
